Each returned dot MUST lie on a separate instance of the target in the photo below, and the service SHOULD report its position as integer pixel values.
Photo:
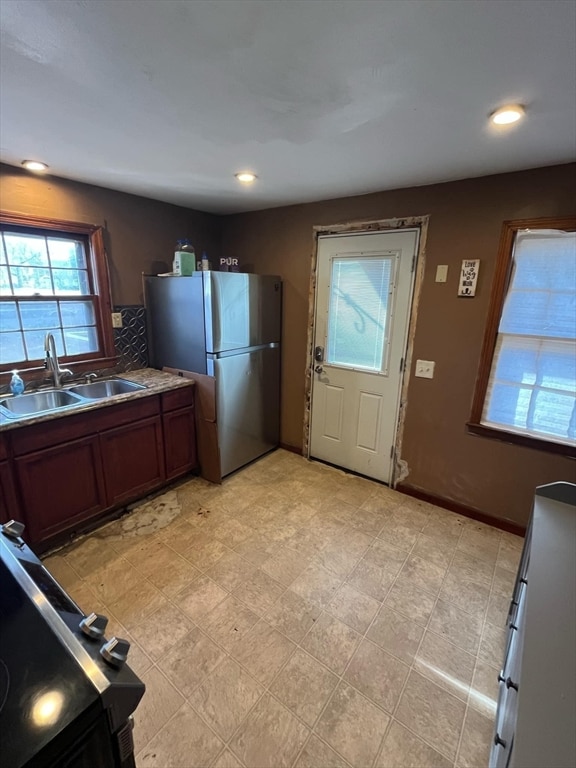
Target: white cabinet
(536, 712)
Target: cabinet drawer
(504, 728)
(182, 397)
(514, 616)
(73, 426)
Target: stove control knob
(13, 529)
(94, 625)
(115, 651)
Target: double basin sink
(45, 401)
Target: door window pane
(359, 308)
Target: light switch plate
(441, 273)
(116, 319)
(425, 369)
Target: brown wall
(465, 220)
(140, 233)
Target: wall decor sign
(468, 277)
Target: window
(53, 278)
(527, 381)
(359, 312)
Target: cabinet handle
(511, 684)
(498, 741)
(523, 581)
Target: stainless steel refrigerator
(226, 325)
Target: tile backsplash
(131, 340)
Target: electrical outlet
(116, 319)
(425, 369)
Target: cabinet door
(60, 486)
(132, 459)
(9, 509)
(179, 442)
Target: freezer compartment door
(248, 406)
(241, 310)
(175, 322)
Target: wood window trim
(106, 357)
(499, 289)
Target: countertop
(154, 381)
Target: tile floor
(300, 616)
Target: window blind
(532, 385)
(358, 315)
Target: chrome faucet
(52, 363)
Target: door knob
(499, 742)
(511, 684)
(318, 369)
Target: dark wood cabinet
(74, 470)
(132, 459)
(178, 423)
(9, 507)
(179, 442)
(61, 487)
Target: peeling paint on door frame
(400, 468)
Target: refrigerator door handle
(242, 351)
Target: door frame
(399, 467)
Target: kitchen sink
(44, 401)
(98, 390)
(38, 402)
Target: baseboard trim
(462, 509)
(291, 448)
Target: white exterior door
(364, 289)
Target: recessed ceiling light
(246, 177)
(507, 115)
(34, 165)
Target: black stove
(66, 695)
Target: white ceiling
(321, 98)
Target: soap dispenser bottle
(17, 385)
